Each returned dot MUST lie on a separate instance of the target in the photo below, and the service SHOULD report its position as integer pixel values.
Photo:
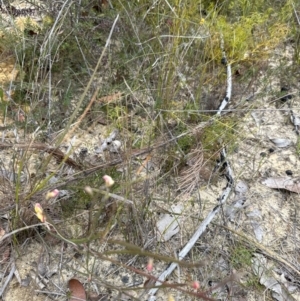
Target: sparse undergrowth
(156, 74)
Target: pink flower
(195, 285)
(52, 194)
(149, 266)
(108, 181)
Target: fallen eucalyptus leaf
(261, 268)
(288, 283)
(289, 184)
(168, 225)
(281, 142)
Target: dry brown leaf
(289, 184)
(77, 290)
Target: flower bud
(52, 194)
(88, 190)
(195, 285)
(108, 181)
(149, 266)
(39, 212)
